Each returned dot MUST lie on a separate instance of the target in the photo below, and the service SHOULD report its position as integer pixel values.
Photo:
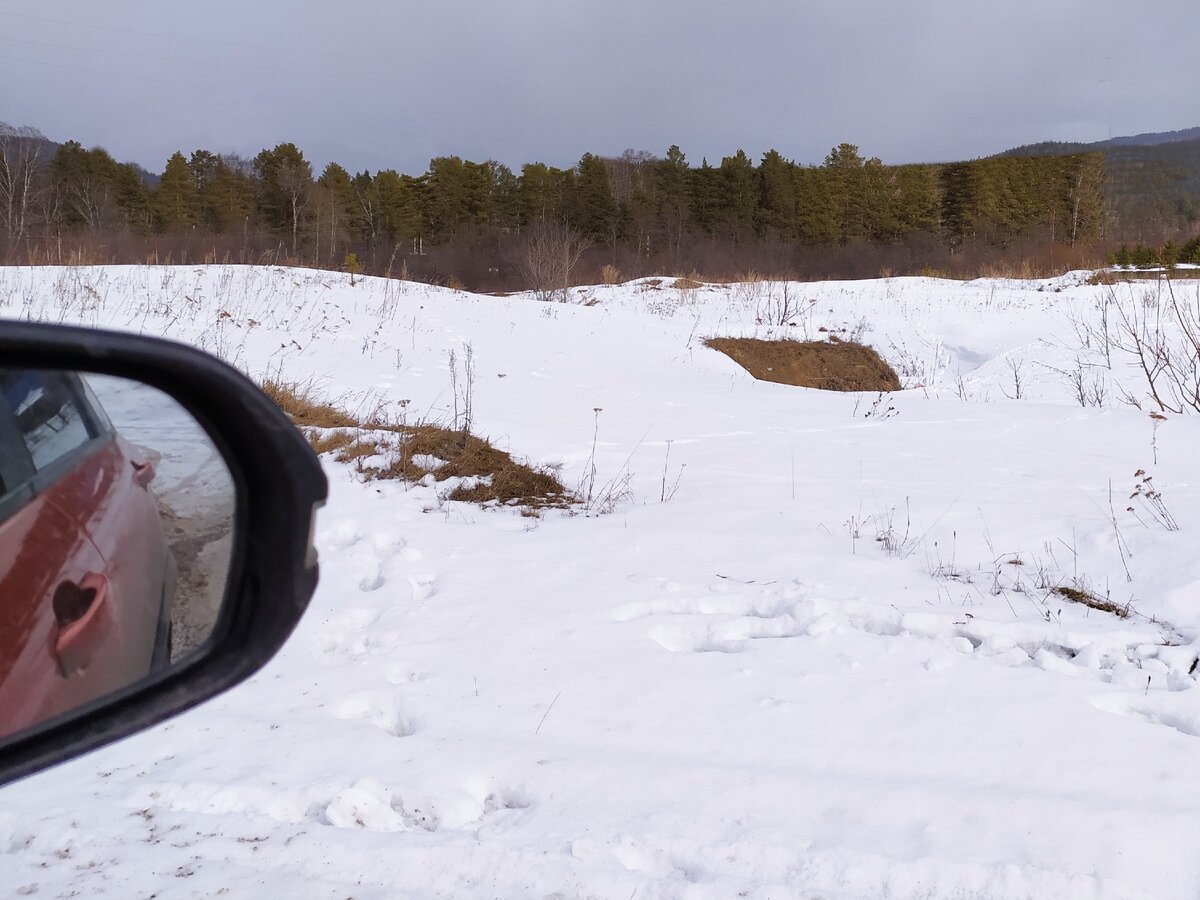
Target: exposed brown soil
(833, 366)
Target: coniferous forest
(471, 224)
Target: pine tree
(591, 208)
(285, 185)
(777, 196)
(674, 198)
(707, 192)
(504, 202)
(176, 201)
(397, 200)
(542, 193)
(227, 189)
(817, 215)
(739, 190)
(98, 192)
(844, 166)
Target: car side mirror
(156, 516)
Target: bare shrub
(1151, 501)
(1162, 336)
(1015, 366)
(552, 250)
(464, 393)
(778, 307)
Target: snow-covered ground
(811, 652)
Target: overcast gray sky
(378, 84)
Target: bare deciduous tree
(20, 162)
(295, 180)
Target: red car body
(86, 576)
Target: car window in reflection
(47, 415)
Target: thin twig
(547, 712)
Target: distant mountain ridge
(1152, 186)
(22, 131)
(1064, 148)
(1152, 138)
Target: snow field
(830, 665)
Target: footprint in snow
(339, 649)
(380, 709)
(369, 805)
(374, 556)
(763, 607)
(422, 587)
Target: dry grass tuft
(299, 401)
(360, 449)
(414, 452)
(1087, 598)
(610, 274)
(328, 441)
(500, 478)
(834, 366)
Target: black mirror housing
(273, 569)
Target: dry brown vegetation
(1087, 598)
(463, 455)
(829, 366)
(328, 441)
(412, 452)
(300, 402)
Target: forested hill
(1152, 185)
(1146, 139)
(474, 222)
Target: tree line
(1146, 256)
(470, 222)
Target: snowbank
(815, 653)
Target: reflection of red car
(86, 579)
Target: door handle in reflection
(81, 611)
(143, 473)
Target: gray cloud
(383, 84)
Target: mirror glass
(116, 529)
